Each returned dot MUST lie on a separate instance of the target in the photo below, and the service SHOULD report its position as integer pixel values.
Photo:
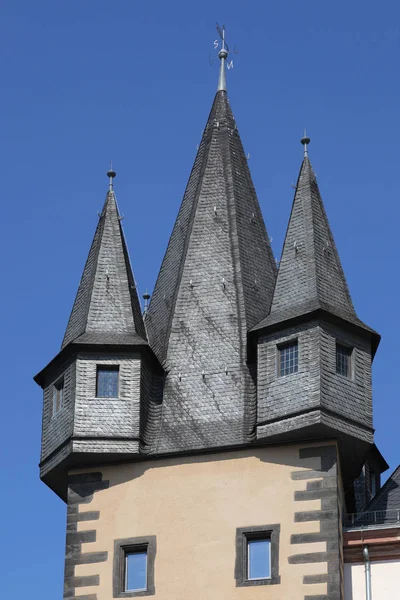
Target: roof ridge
(201, 159)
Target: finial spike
(146, 298)
(222, 55)
(305, 140)
(111, 174)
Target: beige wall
(385, 580)
(193, 505)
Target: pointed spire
(106, 307)
(215, 283)
(310, 274)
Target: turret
(95, 389)
(314, 353)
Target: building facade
(210, 447)
(372, 539)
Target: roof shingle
(106, 302)
(310, 275)
(215, 283)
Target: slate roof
(215, 283)
(388, 497)
(106, 308)
(310, 275)
(220, 178)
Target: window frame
(350, 355)
(122, 548)
(282, 346)
(260, 532)
(58, 388)
(111, 368)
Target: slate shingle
(215, 283)
(310, 274)
(388, 497)
(106, 308)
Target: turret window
(107, 381)
(343, 360)
(58, 393)
(288, 358)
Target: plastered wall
(385, 580)
(193, 505)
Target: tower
(213, 445)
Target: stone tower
(212, 446)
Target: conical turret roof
(106, 307)
(310, 274)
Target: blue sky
(89, 81)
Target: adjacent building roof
(388, 497)
(106, 308)
(310, 275)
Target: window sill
(269, 581)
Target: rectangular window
(133, 571)
(58, 392)
(343, 360)
(107, 381)
(258, 558)
(136, 571)
(288, 358)
(257, 555)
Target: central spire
(215, 284)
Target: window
(343, 360)
(259, 558)
(288, 358)
(257, 555)
(134, 567)
(136, 571)
(58, 392)
(107, 381)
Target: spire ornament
(305, 140)
(222, 55)
(111, 174)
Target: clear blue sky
(86, 81)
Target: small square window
(107, 381)
(58, 393)
(133, 573)
(257, 555)
(288, 358)
(343, 360)
(259, 558)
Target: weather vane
(223, 51)
(222, 46)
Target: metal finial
(146, 298)
(222, 55)
(305, 141)
(111, 174)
